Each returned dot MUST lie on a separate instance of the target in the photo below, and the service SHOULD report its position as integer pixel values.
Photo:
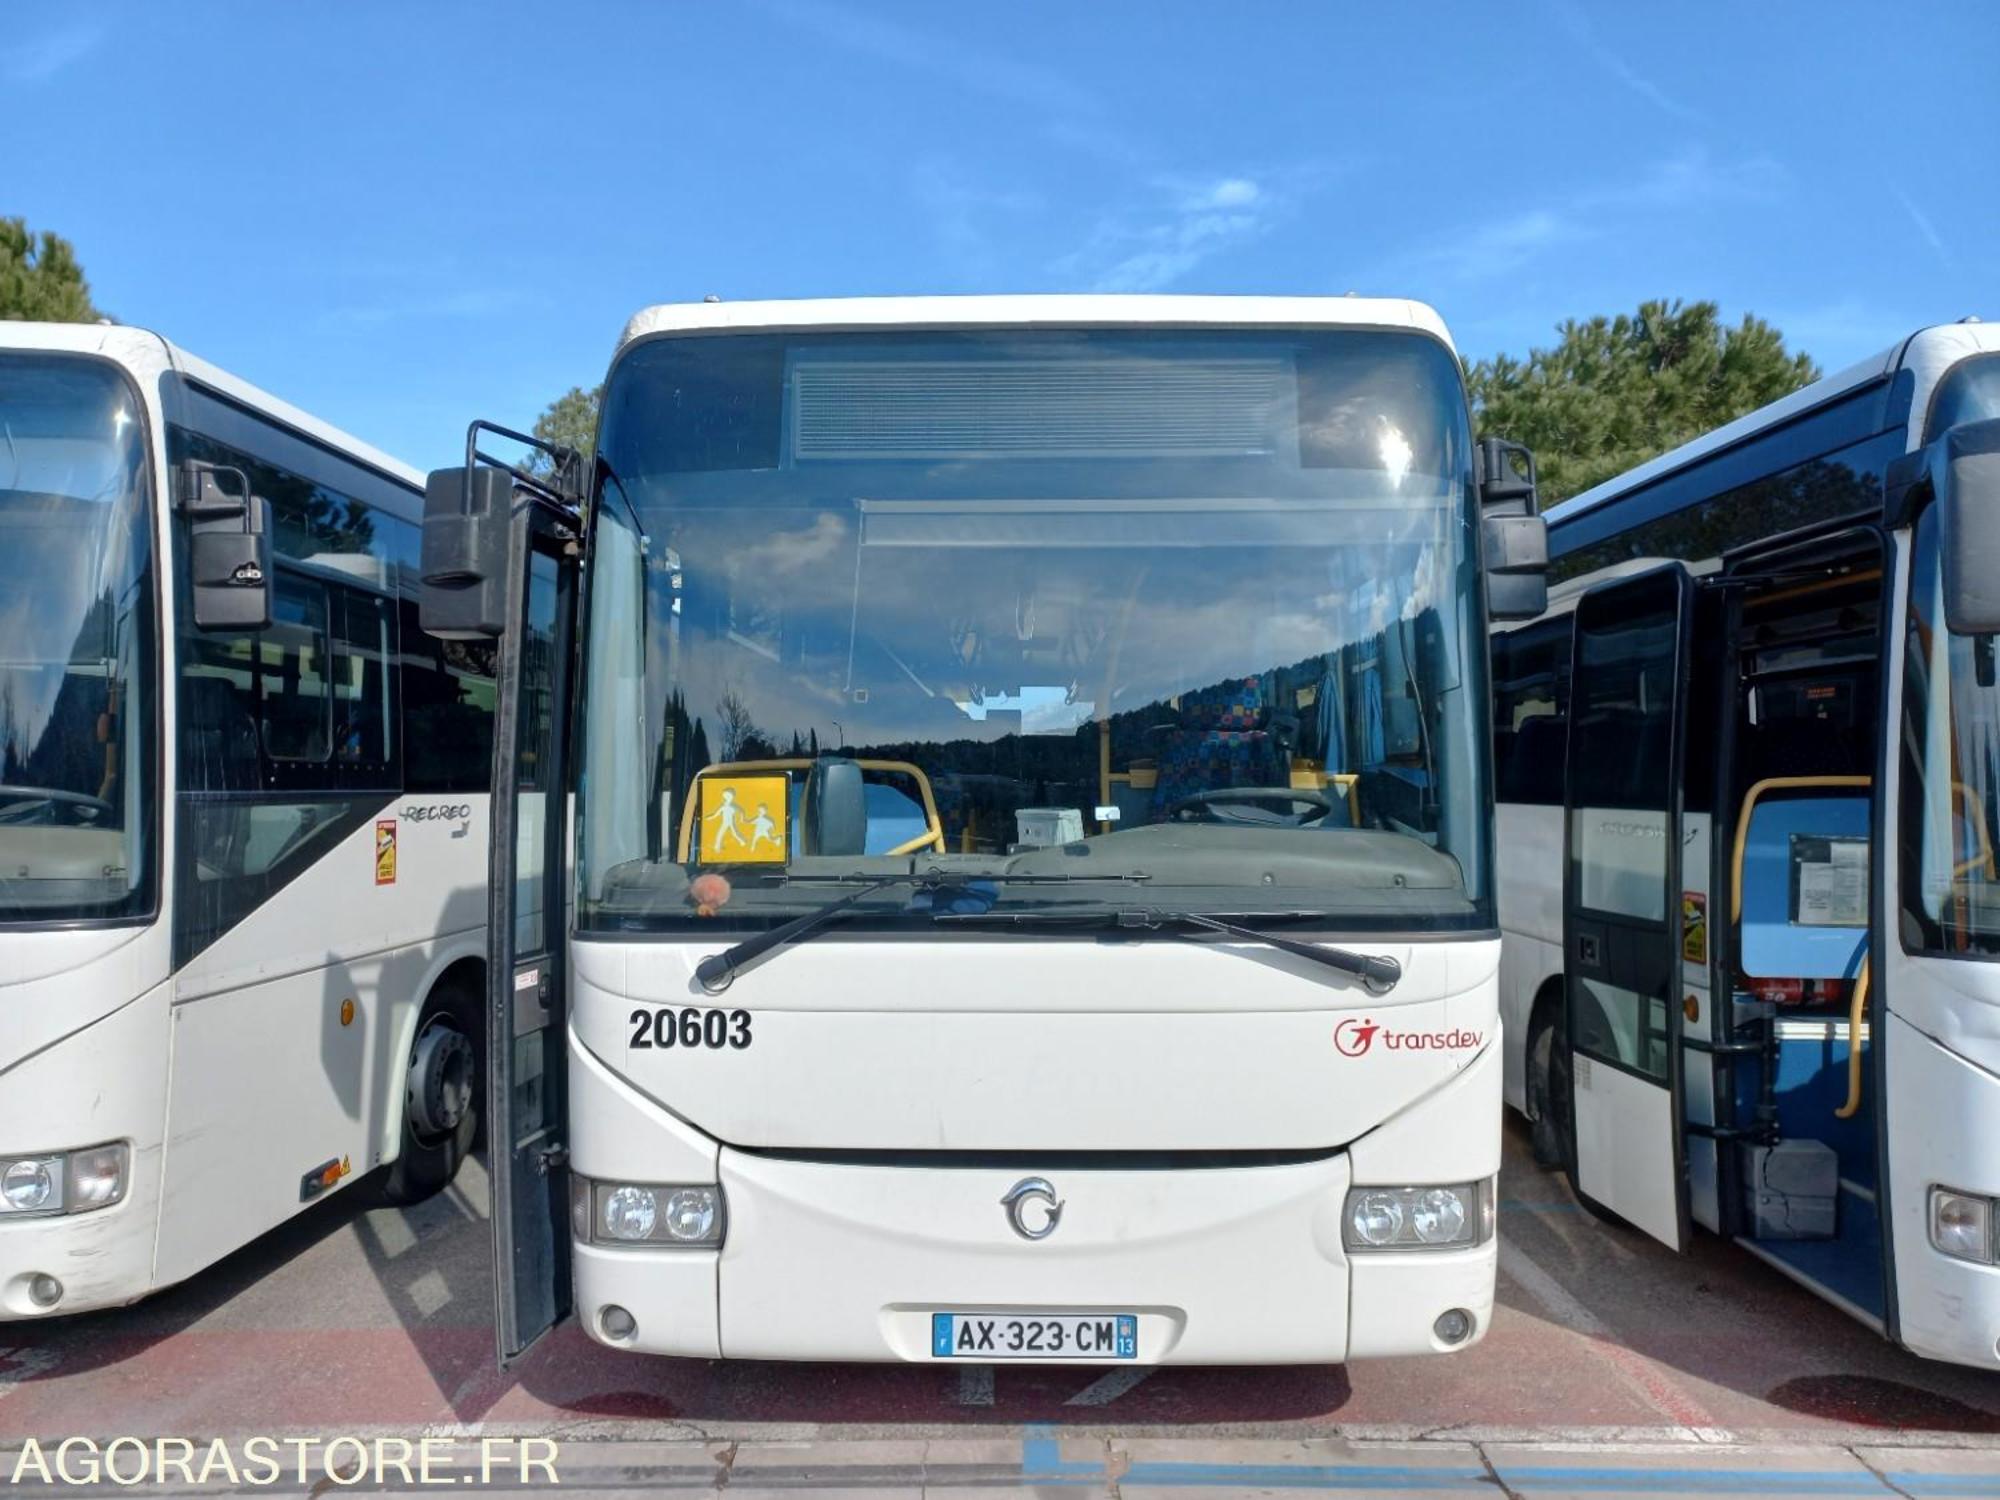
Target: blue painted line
(1042, 1463)
(1697, 1481)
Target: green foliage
(571, 419)
(40, 280)
(1618, 391)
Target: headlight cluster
(1962, 1226)
(63, 1182)
(632, 1213)
(1452, 1217)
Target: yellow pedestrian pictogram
(743, 820)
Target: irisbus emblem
(1033, 1208)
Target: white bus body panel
(1070, 1046)
(1944, 1123)
(1528, 851)
(1625, 1134)
(104, 1080)
(1145, 1046)
(268, 1083)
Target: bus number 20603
(691, 1027)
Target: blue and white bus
(1748, 772)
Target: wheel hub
(440, 1082)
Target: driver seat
(1223, 739)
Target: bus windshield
(1950, 870)
(76, 646)
(1075, 622)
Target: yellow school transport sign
(743, 820)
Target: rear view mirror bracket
(229, 546)
(468, 520)
(1513, 539)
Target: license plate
(1034, 1336)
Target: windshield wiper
(715, 972)
(1379, 974)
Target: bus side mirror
(229, 546)
(467, 517)
(1966, 471)
(1513, 539)
(1516, 554)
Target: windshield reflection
(75, 642)
(1200, 619)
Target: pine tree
(1615, 392)
(40, 280)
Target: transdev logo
(1355, 1037)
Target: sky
(403, 216)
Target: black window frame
(325, 498)
(1540, 783)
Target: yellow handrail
(1856, 1008)
(1772, 784)
(1858, 1004)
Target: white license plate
(1034, 1336)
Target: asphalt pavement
(1613, 1366)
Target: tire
(444, 1082)
(1548, 1112)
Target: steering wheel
(1255, 806)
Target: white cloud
(1030, 84)
(41, 59)
(1487, 250)
(1177, 223)
(965, 215)
(1840, 333)
(1232, 192)
(1577, 24)
(1924, 226)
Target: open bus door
(500, 563)
(1622, 791)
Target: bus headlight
(1450, 1217)
(1962, 1225)
(63, 1182)
(32, 1185)
(632, 1213)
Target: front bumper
(848, 1262)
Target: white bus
(1032, 885)
(1748, 770)
(243, 823)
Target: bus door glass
(1621, 907)
(527, 939)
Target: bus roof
(1925, 354)
(1053, 310)
(139, 348)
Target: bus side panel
(1528, 841)
(274, 1080)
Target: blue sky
(403, 216)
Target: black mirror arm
(565, 493)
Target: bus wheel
(1548, 1097)
(441, 1097)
